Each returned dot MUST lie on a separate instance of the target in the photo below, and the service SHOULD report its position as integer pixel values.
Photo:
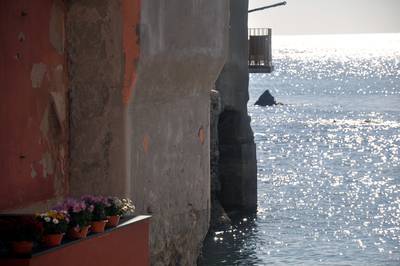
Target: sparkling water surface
(328, 159)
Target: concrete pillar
(237, 163)
(183, 44)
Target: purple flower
(71, 205)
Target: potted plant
(116, 208)
(113, 211)
(80, 216)
(24, 231)
(99, 218)
(55, 225)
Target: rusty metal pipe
(266, 7)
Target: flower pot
(22, 247)
(113, 221)
(98, 226)
(52, 240)
(78, 233)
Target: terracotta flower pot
(22, 247)
(74, 233)
(98, 226)
(52, 240)
(113, 221)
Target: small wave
(355, 122)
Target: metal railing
(258, 32)
(260, 52)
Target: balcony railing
(260, 50)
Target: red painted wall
(33, 102)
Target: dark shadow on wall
(229, 160)
(235, 166)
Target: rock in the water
(266, 99)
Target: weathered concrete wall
(33, 103)
(102, 52)
(237, 162)
(183, 44)
(215, 112)
(218, 215)
(140, 121)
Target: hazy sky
(328, 16)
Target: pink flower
(76, 208)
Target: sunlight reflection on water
(328, 162)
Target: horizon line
(324, 34)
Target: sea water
(328, 159)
